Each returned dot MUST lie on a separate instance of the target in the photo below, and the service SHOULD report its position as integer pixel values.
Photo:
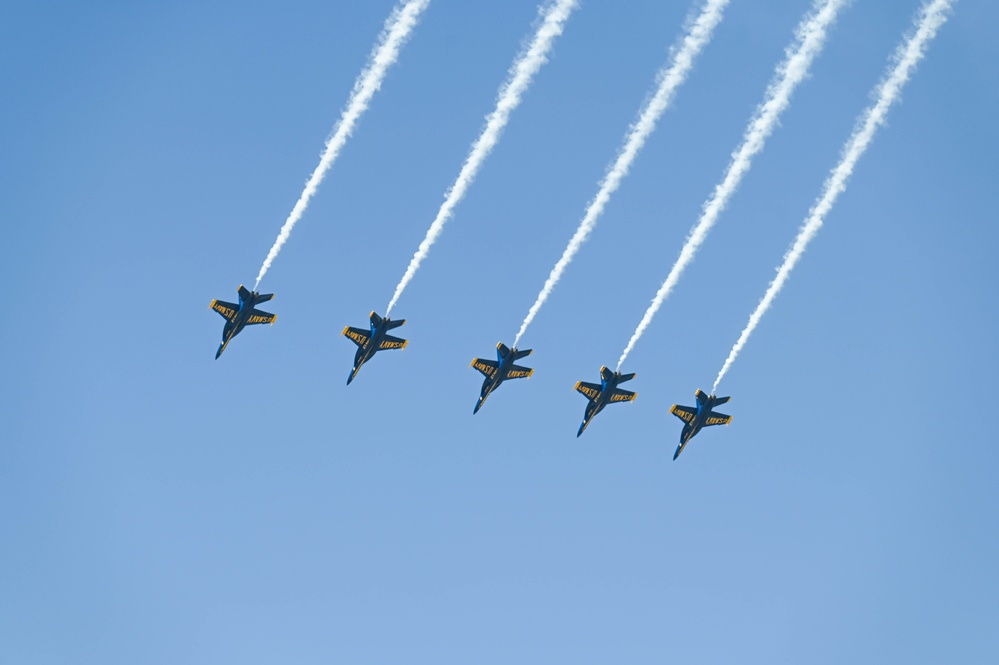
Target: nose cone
(677, 453)
(353, 373)
(582, 427)
(478, 405)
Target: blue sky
(158, 506)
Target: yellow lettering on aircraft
(684, 415)
(224, 311)
(357, 337)
(489, 370)
(716, 421)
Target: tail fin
(502, 351)
(701, 396)
(375, 319)
(244, 294)
(605, 373)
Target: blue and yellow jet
(371, 342)
(694, 418)
(607, 392)
(239, 316)
(498, 371)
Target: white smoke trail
(522, 72)
(698, 34)
(931, 17)
(398, 27)
(809, 38)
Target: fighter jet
(239, 316)
(694, 418)
(501, 370)
(607, 392)
(371, 342)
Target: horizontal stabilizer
(605, 373)
(244, 293)
(701, 396)
(721, 400)
(264, 298)
(626, 377)
(517, 355)
(394, 324)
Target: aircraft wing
(622, 396)
(715, 418)
(487, 367)
(591, 390)
(358, 336)
(258, 316)
(518, 372)
(226, 309)
(684, 413)
(389, 342)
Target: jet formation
(498, 371)
(376, 338)
(604, 393)
(694, 418)
(239, 316)
(370, 342)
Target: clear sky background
(158, 506)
